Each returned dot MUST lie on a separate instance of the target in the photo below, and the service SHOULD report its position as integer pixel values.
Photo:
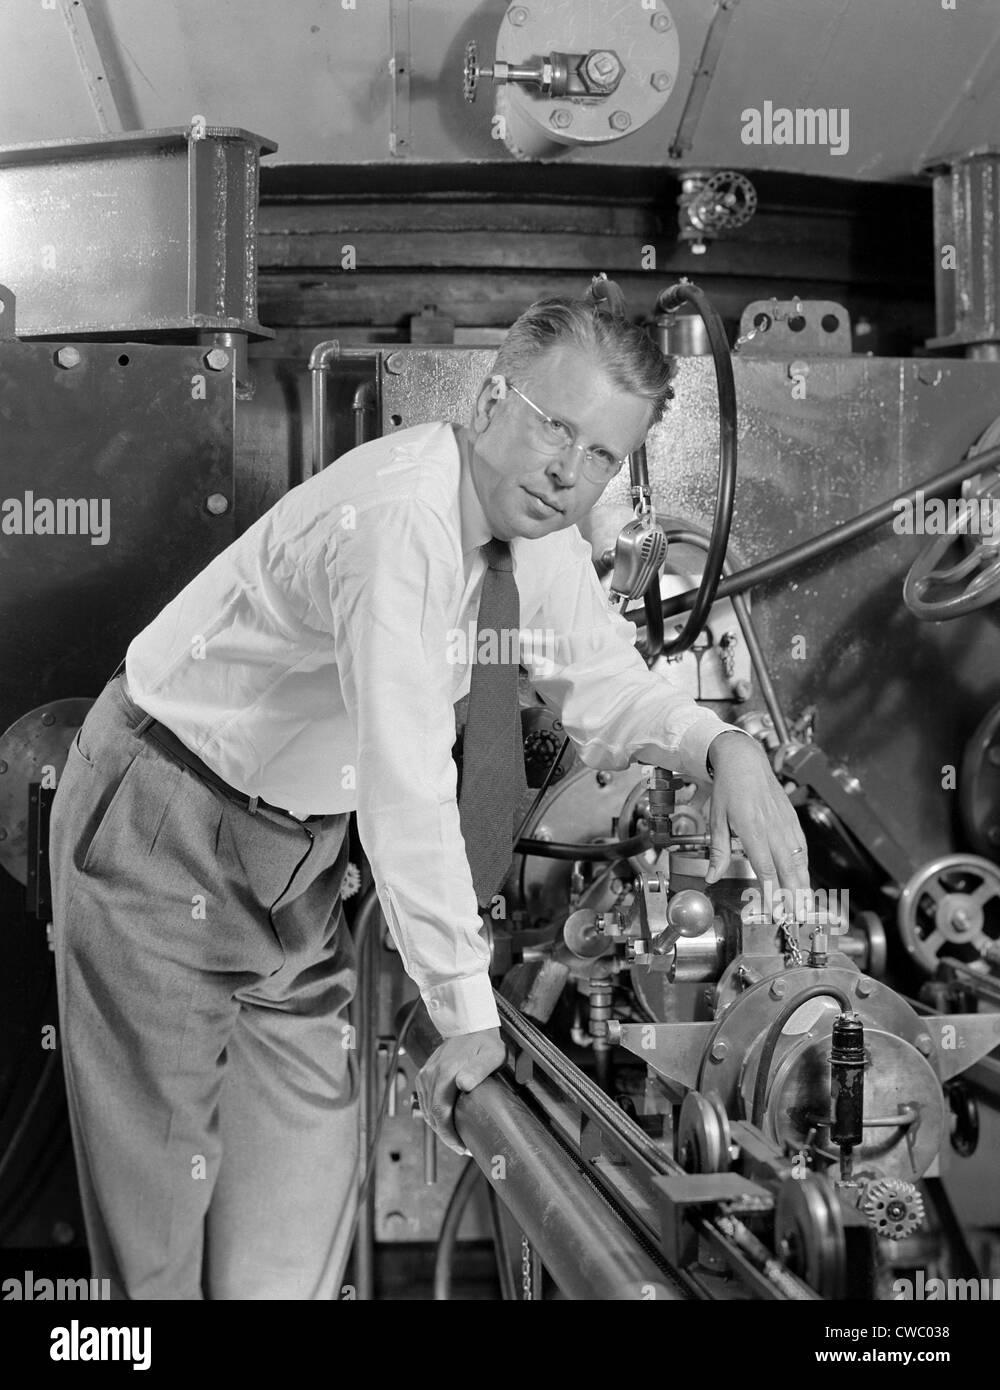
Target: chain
(790, 945)
(526, 1289)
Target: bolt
(394, 363)
(778, 989)
(48, 719)
(620, 120)
(924, 1044)
(561, 118)
(217, 359)
(68, 357)
(603, 778)
(518, 15)
(719, 1051)
(603, 67)
(660, 81)
(542, 833)
(217, 503)
(660, 22)
(864, 987)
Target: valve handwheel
(934, 591)
(951, 908)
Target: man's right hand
(459, 1064)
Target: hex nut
(68, 357)
(217, 359)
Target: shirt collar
(475, 528)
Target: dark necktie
(493, 780)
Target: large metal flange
(703, 1135)
(809, 1234)
(950, 909)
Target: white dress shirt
(316, 663)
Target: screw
(924, 1044)
(518, 15)
(719, 1051)
(863, 988)
(217, 359)
(603, 778)
(660, 81)
(561, 118)
(620, 120)
(68, 357)
(660, 22)
(394, 363)
(48, 719)
(217, 503)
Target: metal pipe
(588, 1250)
(319, 361)
(780, 565)
(364, 399)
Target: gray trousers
(204, 971)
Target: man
(198, 831)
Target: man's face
(524, 492)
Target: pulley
(809, 1234)
(703, 1136)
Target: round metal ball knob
(691, 911)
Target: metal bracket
(689, 1193)
(92, 65)
(399, 71)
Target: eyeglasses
(555, 437)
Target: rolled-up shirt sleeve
(392, 581)
(582, 660)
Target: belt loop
(252, 805)
(143, 725)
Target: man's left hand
(748, 801)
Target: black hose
(671, 299)
(780, 565)
(459, 1200)
(774, 1033)
(554, 849)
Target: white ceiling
(918, 79)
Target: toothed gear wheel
(894, 1207)
(471, 72)
(351, 881)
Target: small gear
(894, 1207)
(471, 71)
(351, 881)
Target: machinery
(744, 1078)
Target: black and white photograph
(500, 670)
